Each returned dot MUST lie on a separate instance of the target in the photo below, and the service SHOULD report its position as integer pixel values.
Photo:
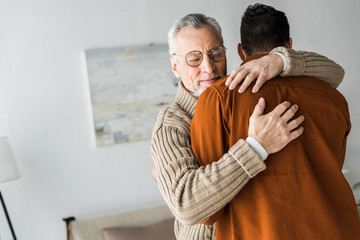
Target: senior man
(198, 58)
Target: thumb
(259, 108)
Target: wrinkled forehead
(201, 39)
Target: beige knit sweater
(194, 193)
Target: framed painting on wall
(128, 86)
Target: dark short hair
(263, 28)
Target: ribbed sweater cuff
(296, 62)
(248, 159)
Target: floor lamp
(8, 172)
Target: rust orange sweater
(302, 194)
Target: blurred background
(45, 105)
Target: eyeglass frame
(202, 55)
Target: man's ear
(241, 52)
(174, 67)
(289, 43)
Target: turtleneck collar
(186, 99)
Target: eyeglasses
(194, 58)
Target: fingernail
(255, 89)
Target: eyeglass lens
(195, 58)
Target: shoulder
(218, 94)
(217, 89)
(219, 86)
(308, 84)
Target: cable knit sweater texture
(195, 193)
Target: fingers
(296, 122)
(233, 74)
(261, 70)
(240, 75)
(259, 82)
(281, 108)
(293, 126)
(275, 129)
(296, 133)
(290, 112)
(229, 79)
(248, 80)
(259, 108)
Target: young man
(302, 194)
(198, 58)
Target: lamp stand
(7, 216)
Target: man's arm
(191, 232)
(310, 64)
(191, 191)
(299, 63)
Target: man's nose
(207, 64)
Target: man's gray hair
(193, 20)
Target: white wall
(45, 102)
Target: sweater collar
(186, 99)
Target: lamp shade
(8, 168)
